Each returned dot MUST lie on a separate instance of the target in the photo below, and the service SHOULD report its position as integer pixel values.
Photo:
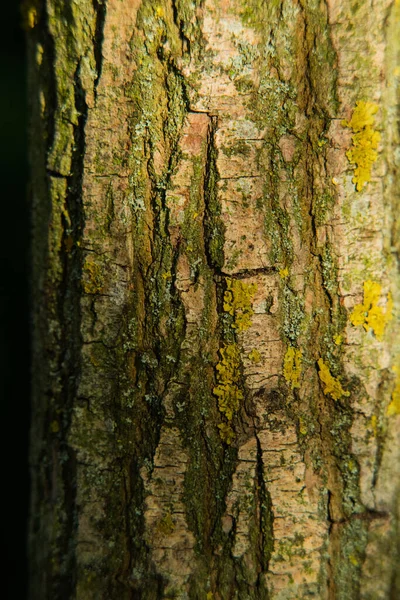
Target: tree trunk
(215, 274)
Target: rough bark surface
(216, 396)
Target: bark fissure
(100, 9)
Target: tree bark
(216, 366)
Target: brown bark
(216, 392)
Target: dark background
(14, 304)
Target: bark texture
(216, 283)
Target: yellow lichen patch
(333, 386)
(228, 391)
(292, 366)
(255, 356)
(226, 433)
(394, 406)
(369, 314)
(238, 300)
(374, 425)
(166, 525)
(39, 56)
(284, 273)
(93, 281)
(66, 216)
(31, 18)
(338, 339)
(363, 116)
(365, 142)
(302, 426)
(228, 376)
(353, 560)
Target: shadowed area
(14, 304)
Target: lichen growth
(228, 376)
(254, 356)
(394, 406)
(292, 366)
(238, 299)
(30, 14)
(293, 314)
(365, 142)
(374, 425)
(166, 525)
(303, 429)
(338, 339)
(369, 314)
(93, 281)
(238, 303)
(32, 17)
(333, 387)
(323, 202)
(226, 433)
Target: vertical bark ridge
(361, 259)
(57, 161)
